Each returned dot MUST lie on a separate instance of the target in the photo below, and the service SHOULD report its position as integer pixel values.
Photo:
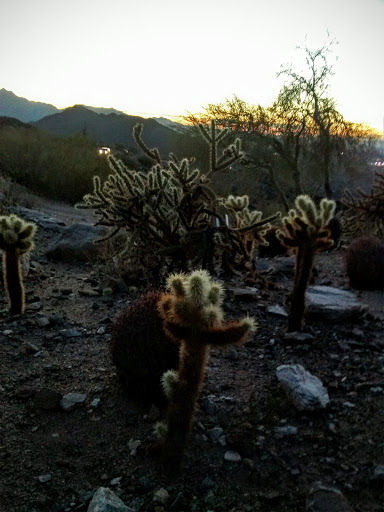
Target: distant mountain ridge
(22, 109)
(29, 111)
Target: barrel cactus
(140, 349)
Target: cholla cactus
(171, 212)
(249, 226)
(16, 239)
(305, 231)
(193, 317)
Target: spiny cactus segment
(308, 225)
(305, 231)
(193, 317)
(249, 226)
(16, 239)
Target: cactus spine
(16, 239)
(305, 231)
(193, 317)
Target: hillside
(108, 129)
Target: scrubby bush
(56, 167)
(141, 350)
(364, 263)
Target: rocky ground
(251, 448)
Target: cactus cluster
(171, 211)
(305, 230)
(16, 239)
(249, 226)
(193, 317)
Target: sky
(170, 57)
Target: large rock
(306, 390)
(41, 219)
(77, 243)
(105, 500)
(332, 304)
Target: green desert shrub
(56, 167)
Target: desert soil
(54, 460)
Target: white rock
(306, 390)
(72, 400)
(232, 456)
(105, 500)
(332, 304)
(161, 496)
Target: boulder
(41, 219)
(306, 390)
(332, 304)
(77, 243)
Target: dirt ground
(54, 460)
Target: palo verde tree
(172, 213)
(301, 133)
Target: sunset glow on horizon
(164, 59)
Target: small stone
(42, 321)
(29, 348)
(232, 456)
(35, 306)
(378, 473)
(207, 483)
(277, 311)
(378, 390)
(133, 446)
(95, 403)
(106, 500)
(115, 481)
(101, 330)
(215, 433)
(298, 337)
(349, 405)
(72, 400)
(161, 496)
(70, 333)
(286, 431)
(306, 390)
(45, 478)
(7, 332)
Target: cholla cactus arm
(16, 239)
(152, 153)
(193, 317)
(305, 231)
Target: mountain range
(107, 126)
